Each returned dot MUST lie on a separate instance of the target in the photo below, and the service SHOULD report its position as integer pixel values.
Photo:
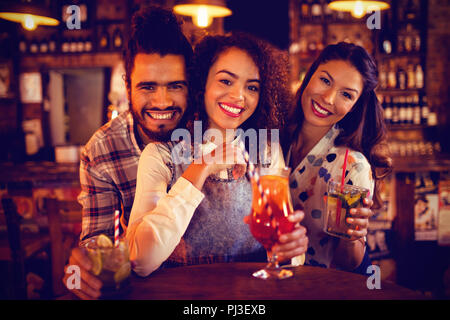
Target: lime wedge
(104, 242)
(353, 200)
(122, 273)
(96, 258)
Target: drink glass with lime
(340, 199)
(110, 264)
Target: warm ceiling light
(29, 15)
(202, 11)
(358, 9)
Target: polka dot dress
(308, 184)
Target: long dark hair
(275, 97)
(363, 128)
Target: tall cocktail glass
(269, 219)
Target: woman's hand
(292, 244)
(359, 220)
(221, 158)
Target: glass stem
(272, 258)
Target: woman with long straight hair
(336, 113)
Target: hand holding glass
(269, 220)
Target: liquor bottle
(383, 77)
(419, 77)
(401, 79)
(104, 40)
(73, 46)
(416, 110)
(65, 46)
(416, 42)
(304, 9)
(410, 10)
(409, 110)
(425, 112)
(391, 76)
(117, 39)
(43, 46)
(80, 45)
(23, 46)
(88, 45)
(401, 110)
(387, 109)
(395, 111)
(400, 43)
(316, 10)
(409, 38)
(52, 44)
(411, 76)
(34, 47)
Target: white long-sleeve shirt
(159, 218)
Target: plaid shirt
(108, 170)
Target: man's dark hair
(155, 30)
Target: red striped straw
(339, 205)
(116, 228)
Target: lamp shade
(202, 11)
(29, 14)
(358, 8)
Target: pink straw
(116, 228)
(339, 205)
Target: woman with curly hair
(191, 212)
(337, 117)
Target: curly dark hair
(363, 128)
(275, 96)
(155, 30)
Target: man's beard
(162, 135)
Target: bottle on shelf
(401, 110)
(34, 47)
(103, 43)
(408, 44)
(23, 45)
(387, 109)
(419, 77)
(73, 46)
(417, 42)
(401, 78)
(304, 9)
(316, 10)
(409, 110)
(43, 46)
(391, 76)
(382, 76)
(416, 110)
(410, 12)
(411, 76)
(88, 44)
(425, 111)
(65, 46)
(117, 39)
(395, 111)
(52, 44)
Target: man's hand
(90, 284)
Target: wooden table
(233, 281)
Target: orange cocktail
(271, 206)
